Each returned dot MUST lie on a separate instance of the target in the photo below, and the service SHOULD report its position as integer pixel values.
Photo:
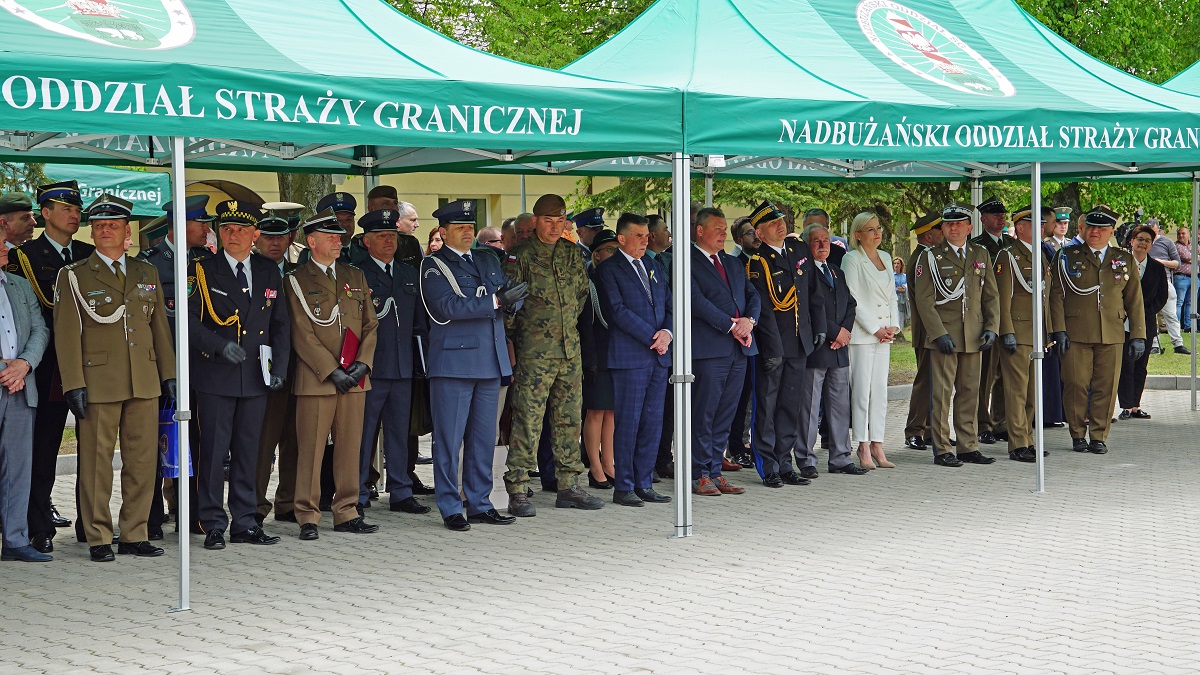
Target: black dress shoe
(492, 517)
(947, 459)
(422, 459)
(42, 543)
(746, 459)
(1022, 455)
(1057, 425)
(1124, 415)
(1000, 435)
(254, 535)
(773, 480)
(102, 553)
(914, 442)
(627, 498)
(419, 488)
(154, 533)
(599, 484)
(356, 526)
(373, 492)
(456, 523)
(975, 457)
(142, 549)
(56, 518)
(286, 517)
(1097, 448)
(1079, 444)
(215, 541)
(359, 509)
(649, 495)
(1139, 414)
(987, 437)
(809, 472)
(308, 532)
(793, 478)
(850, 470)
(409, 505)
(258, 518)
(953, 442)
(654, 477)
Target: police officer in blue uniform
(394, 295)
(466, 295)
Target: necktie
(470, 262)
(1098, 258)
(67, 254)
(720, 269)
(962, 253)
(329, 273)
(387, 269)
(241, 277)
(641, 269)
(828, 274)
(119, 272)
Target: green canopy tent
(325, 86)
(146, 190)
(976, 88)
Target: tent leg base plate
(682, 532)
(178, 609)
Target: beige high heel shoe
(880, 458)
(865, 460)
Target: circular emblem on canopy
(927, 50)
(134, 24)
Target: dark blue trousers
(715, 396)
(464, 416)
(640, 395)
(390, 402)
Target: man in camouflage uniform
(548, 373)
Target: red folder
(350, 352)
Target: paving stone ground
(911, 570)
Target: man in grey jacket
(23, 340)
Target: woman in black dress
(598, 396)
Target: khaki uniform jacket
(963, 319)
(547, 325)
(1016, 303)
(918, 328)
(316, 348)
(1090, 300)
(117, 361)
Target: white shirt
(8, 324)
(776, 249)
(382, 265)
(712, 257)
(109, 261)
(56, 245)
(233, 263)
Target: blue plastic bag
(168, 442)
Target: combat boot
(520, 506)
(576, 498)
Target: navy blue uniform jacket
(466, 335)
(396, 304)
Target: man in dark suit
(636, 299)
(725, 309)
(825, 386)
(394, 294)
(747, 245)
(783, 274)
(993, 423)
(819, 216)
(39, 260)
(235, 310)
(466, 295)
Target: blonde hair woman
(869, 275)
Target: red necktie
(725, 278)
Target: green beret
(15, 201)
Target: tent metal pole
(976, 200)
(523, 197)
(1192, 315)
(1039, 324)
(370, 180)
(183, 412)
(708, 190)
(682, 377)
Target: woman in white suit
(876, 322)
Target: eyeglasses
(1143, 240)
(491, 241)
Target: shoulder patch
(512, 258)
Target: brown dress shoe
(706, 487)
(726, 487)
(727, 465)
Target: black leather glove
(511, 294)
(818, 340)
(987, 340)
(772, 363)
(170, 388)
(276, 383)
(1009, 342)
(1137, 348)
(1061, 342)
(945, 344)
(357, 371)
(77, 402)
(232, 352)
(342, 381)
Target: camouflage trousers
(541, 384)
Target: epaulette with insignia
(75, 264)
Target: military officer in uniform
(1014, 281)
(162, 256)
(928, 230)
(342, 205)
(330, 306)
(793, 323)
(1094, 290)
(956, 298)
(39, 260)
(408, 247)
(235, 310)
(466, 296)
(394, 295)
(116, 357)
(993, 216)
(276, 232)
(588, 224)
(548, 373)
